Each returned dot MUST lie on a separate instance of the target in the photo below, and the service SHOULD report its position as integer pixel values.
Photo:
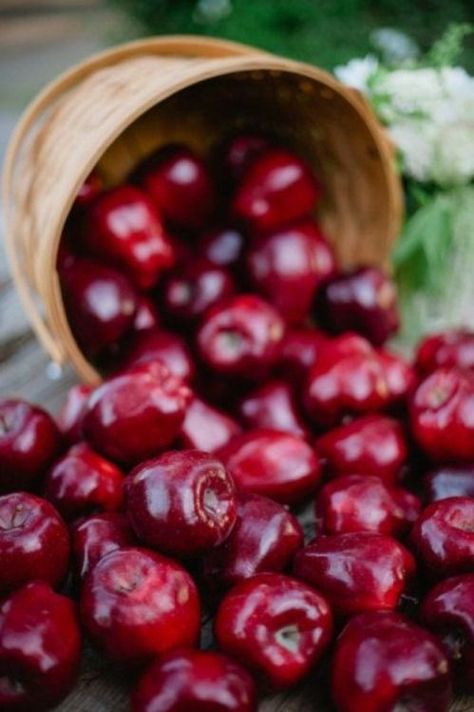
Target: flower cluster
(429, 113)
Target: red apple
(357, 572)
(137, 605)
(34, 542)
(278, 627)
(40, 647)
(195, 681)
(29, 441)
(264, 538)
(271, 463)
(135, 415)
(83, 482)
(181, 503)
(383, 661)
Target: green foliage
(433, 264)
(425, 242)
(326, 32)
(448, 50)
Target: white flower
(411, 91)
(430, 115)
(416, 141)
(454, 162)
(358, 72)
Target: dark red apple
(356, 503)
(265, 538)
(29, 442)
(123, 228)
(383, 661)
(273, 406)
(271, 463)
(371, 445)
(179, 184)
(181, 503)
(97, 535)
(34, 542)
(195, 681)
(275, 625)
(135, 415)
(137, 605)
(206, 428)
(40, 648)
(242, 337)
(83, 482)
(277, 187)
(357, 572)
(288, 265)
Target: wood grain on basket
(116, 107)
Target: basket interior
(302, 113)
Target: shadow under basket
(117, 107)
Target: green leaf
(420, 252)
(447, 50)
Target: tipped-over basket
(118, 106)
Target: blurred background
(38, 38)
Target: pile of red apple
(246, 376)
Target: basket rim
(240, 58)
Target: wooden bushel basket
(115, 108)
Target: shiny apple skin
(122, 227)
(206, 428)
(159, 345)
(40, 648)
(288, 265)
(442, 416)
(264, 539)
(222, 246)
(70, 416)
(34, 542)
(135, 415)
(443, 537)
(241, 338)
(146, 315)
(448, 611)
(299, 350)
(385, 662)
(194, 288)
(277, 188)
(29, 442)
(273, 406)
(363, 300)
(449, 481)
(95, 536)
(182, 503)
(83, 482)
(180, 186)
(359, 503)
(273, 464)
(373, 445)
(357, 572)
(136, 605)
(237, 154)
(195, 681)
(348, 379)
(100, 304)
(448, 349)
(276, 626)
